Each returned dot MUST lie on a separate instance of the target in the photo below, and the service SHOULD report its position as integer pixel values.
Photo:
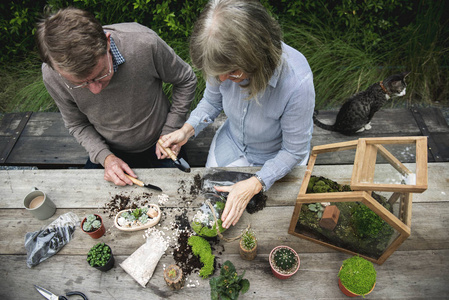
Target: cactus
(249, 239)
(284, 258)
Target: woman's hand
(239, 195)
(175, 140)
(114, 171)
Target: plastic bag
(221, 178)
(217, 177)
(141, 264)
(46, 242)
(204, 223)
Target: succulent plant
(284, 258)
(249, 239)
(91, 223)
(99, 255)
(228, 285)
(318, 208)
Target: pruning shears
(49, 295)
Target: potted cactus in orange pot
(284, 262)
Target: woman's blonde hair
(237, 34)
(72, 39)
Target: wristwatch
(264, 187)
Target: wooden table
(418, 270)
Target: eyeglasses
(84, 84)
(235, 76)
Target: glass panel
(358, 228)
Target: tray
(150, 223)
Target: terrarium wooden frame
(362, 184)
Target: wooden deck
(419, 269)
(41, 140)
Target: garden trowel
(140, 183)
(180, 163)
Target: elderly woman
(265, 88)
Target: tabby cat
(356, 113)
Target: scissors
(49, 295)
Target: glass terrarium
(368, 214)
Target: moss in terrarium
(205, 231)
(369, 235)
(203, 222)
(323, 185)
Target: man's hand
(115, 169)
(239, 195)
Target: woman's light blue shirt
(275, 132)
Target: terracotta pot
(275, 271)
(247, 254)
(348, 292)
(97, 233)
(177, 282)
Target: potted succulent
(228, 284)
(248, 245)
(357, 277)
(173, 277)
(93, 225)
(284, 262)
(100, 257)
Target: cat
(356, 113)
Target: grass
(341, 67)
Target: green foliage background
(349, 44)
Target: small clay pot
(278, 274)
(247, 254)
(348, 292)
(96, 234)
(175, 282)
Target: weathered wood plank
(87, 188)
(59, 149)
(428, 230)
(407, 275)
(385, 121)
(417, 270)
(43, 151)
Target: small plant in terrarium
(206, 219)
(318, 208)
(91, 223)
(367, 223)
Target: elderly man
(107, 83)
